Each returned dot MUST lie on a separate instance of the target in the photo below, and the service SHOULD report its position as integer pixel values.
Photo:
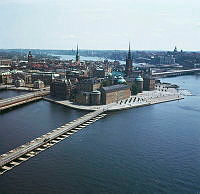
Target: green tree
(134, 89)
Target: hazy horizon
(150, 25)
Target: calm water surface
(154, 149)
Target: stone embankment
(143, 99)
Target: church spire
(129, 63)
(77, 54)
(129, 52)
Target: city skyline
(100, 25)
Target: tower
(175, 50)
(129, 63)
(30, 57)
(77, 55)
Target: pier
(22, 153)
(22, 99)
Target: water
(11, 93)
(85, 58)
(154, 149)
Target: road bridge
(176, 72)
(22, 153)
(22, 99)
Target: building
(38, 84)
(163, 60)
(115, 93)
(30, 57)
(19, 83)
(21, 75)
(129, 63)
(89, 98)
(88, 85)
(46, 77)
(149, 84)
(139, 82)
(62, 89)
(95, 98)
(83, 98)
(5, 77)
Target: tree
(134, 89)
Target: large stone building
(89, 98)
(115, 93)
(149, 84)
(88, 85)
(61, 88)
(46, 77)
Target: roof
(115, 88)
(139, 79)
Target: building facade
(61, 88)
(115, 93)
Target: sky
(100, 24)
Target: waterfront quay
(145, 98)
(22, 153)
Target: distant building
(46, 77)
(6, 62)
(163, 60)
(115, 93)
(22, 75)
(5, 77)
(30, 58)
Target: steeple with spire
(175, 50)
(77, 55)
(30, 58)
(129, 63)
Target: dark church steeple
(129, 63)
(30, 57)
(77, 55)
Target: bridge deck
(22, 99)
(47, 140)
(177, 72)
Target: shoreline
(117, 106)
